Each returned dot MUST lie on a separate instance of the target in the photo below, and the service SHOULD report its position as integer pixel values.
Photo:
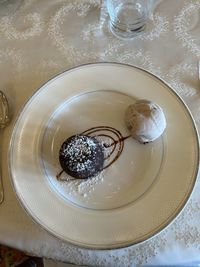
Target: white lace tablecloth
(42, 38)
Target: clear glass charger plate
(132, 200)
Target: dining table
(41, 39)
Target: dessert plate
(133, 199)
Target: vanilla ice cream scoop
(145, 120)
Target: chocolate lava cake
(81, 156)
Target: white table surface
(39, 39)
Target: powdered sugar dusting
(82, 188)
(81, 156)
(78, 150)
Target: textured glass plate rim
(145, 237)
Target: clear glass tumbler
(128, 18)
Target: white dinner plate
(134, 198)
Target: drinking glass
(128, 18)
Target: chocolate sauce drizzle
(115, 141)
(118, 139)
